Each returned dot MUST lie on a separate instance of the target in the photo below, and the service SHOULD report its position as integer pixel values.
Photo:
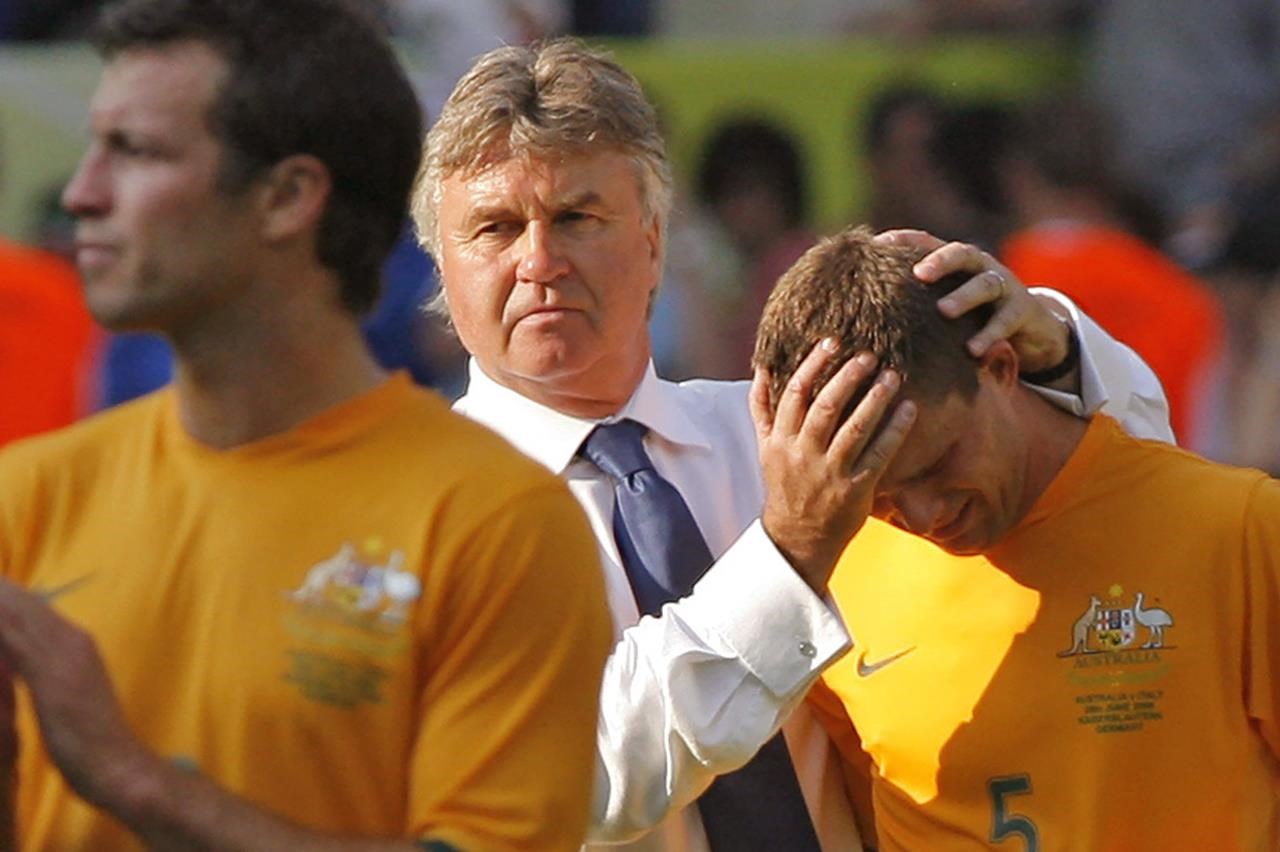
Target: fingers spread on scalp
(909, 237)
(876, 458)
(1010, 317)
(855, 432)
(952, 257)
(793, 406)
(758, 403)
(998, 283)
(824, 413)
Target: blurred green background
(818, 90)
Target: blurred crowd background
(1126, 152)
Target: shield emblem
(1115, 628)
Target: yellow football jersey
(1106, 678)
(382, 622)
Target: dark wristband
(1063, 367)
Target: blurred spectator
(1245, 278)
(1194, 89)
(701, 282)
(1257, 391)
(907, 187)
(47, 338)
(753, 181)
(1054, 173)
(402, 335)
(47, 341)
(970, 148)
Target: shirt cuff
(752, 598)
(1093, 393)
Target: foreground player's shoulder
(494, 510)
(85, 446)
(1263, 503)
(457, 452)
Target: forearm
(169, 808)
(694, 693)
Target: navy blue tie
(760, 806)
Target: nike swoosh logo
(67, 587)
(866, 669)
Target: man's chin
(969, 542)
(547, 357)
(120, 318)
(959, 549)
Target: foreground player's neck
(249, 377)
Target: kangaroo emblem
(1080, 630)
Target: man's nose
(921, 513)
(542, 258)
(87, 193)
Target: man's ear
(1000, 362)
(294, 196)
(653, 236)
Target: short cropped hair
(864, 294)
(552, 98)
(304, 77)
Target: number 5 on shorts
(1005, 824)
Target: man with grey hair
(543, 196)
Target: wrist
(136, 789)
(812, 566)
(1066, 366)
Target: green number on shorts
(1005, 824)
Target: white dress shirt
(1113, 379)
(694, 693)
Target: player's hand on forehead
(821, 471)
(1035, 332)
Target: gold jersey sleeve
(1104, 679)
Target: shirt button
(807, 650)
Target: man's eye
(935, 469)
(498, 229)
(124, 146)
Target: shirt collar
(551, 437)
